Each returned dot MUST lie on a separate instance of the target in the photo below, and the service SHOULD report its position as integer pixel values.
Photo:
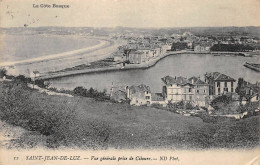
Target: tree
(179, 46)
(240, 89)
(3, 72)
(91, 92)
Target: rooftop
(168, 80)
(140, 88)
(197, 81)
(219, 77)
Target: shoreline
(127, 67)
(108, 69)
(102, 43)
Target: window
(218, 90)
(204, 91)
(147, 97)
(218, 84)
(190, 97)
(247, 91)
(189, 90)
(232, 90)
(198, 91)
(232, 84)
(225, 84)
(225, 89)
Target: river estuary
(186, 65)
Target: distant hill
(200, 31)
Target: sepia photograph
(129, 82)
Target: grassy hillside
(87, 123)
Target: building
(220, 83)
(179, 88)
(147, 51)
(136, 57)
(202, 48)
(157, 98)
(118, 93)
(139, 95)
(165, 48)
(119, 57)
(252, 91)
(201, 91)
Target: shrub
(157, 105)
(80, 91)
(221, 101)
(41, 83)
(171, 106)
(189, 106)
(22, 78)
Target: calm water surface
(186, 65)
(22, 47)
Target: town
(145, 48)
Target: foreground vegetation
(89, 123)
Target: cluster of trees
(179, 46)
(231, 47)
(221, 101)
(93, 93)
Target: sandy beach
(56, 62)
(101, 44)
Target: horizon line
(131, 27)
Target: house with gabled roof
(118, 93)
(201, 91)
(139, 95)
(178, 89)
(220, 83)
(251, 91)
(192, 90)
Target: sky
(131, 13)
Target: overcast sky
(131, 13)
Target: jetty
(255, 67)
